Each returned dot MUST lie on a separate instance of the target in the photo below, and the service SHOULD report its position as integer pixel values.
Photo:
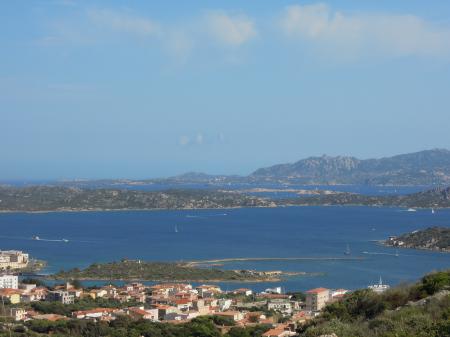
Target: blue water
(256, 232)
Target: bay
(312, 232)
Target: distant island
(433, 198)
(433, 238)
(423, 168)
(51, 198)
(162, 271)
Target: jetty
(303, 258)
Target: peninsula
(164, 272)
(433, 238)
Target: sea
(320, 233)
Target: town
(174, 303)
(169, 302)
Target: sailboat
(176, 229)
(380, 287)
(432, 211)
(347, 250)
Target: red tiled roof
(139, 311)
(316, 290)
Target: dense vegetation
(50, 198)
(80, 304)
(125, 327)
(154, 271)
(422, 309)
(433, 238)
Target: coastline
(208, 208)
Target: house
(13, 259)
(136, 286)
(141, 313)
(27, 287)
(317, 298)
(224, 304)
(62, 296)
(282, 330)
(9, 281)
(243, 291)
(95, 314)
(201, 306)
(280, 305)
(18, 314)
(206, 291)
(111, 291)
(12, 295)
(97, 293)
(339, 293)
(255, 317)
(276, 290)
(175, 316)
(235, 315)
(138, 297)
(34, 295)
(164, 310)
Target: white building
(276, 290)
(13, 259)
(283, 306)
(9, 281)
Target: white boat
(35, 237)
(65, 240)
(176, 229)
(379, 287)
(411, 210)
(432, 211)
(347, 250)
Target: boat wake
(379, 253)
(206, 215)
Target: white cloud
(184, 140)
(230, 30)
(179, 44)
(358, 33)
(199, 138)
(124, 22)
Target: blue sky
(139, 89)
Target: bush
(432, 283)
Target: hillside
(434, 198)
(421, 309)
(420, 168)
(48, 198)
(433, 238)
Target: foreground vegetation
(206, 326)
(421, 310)
(156, 271)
